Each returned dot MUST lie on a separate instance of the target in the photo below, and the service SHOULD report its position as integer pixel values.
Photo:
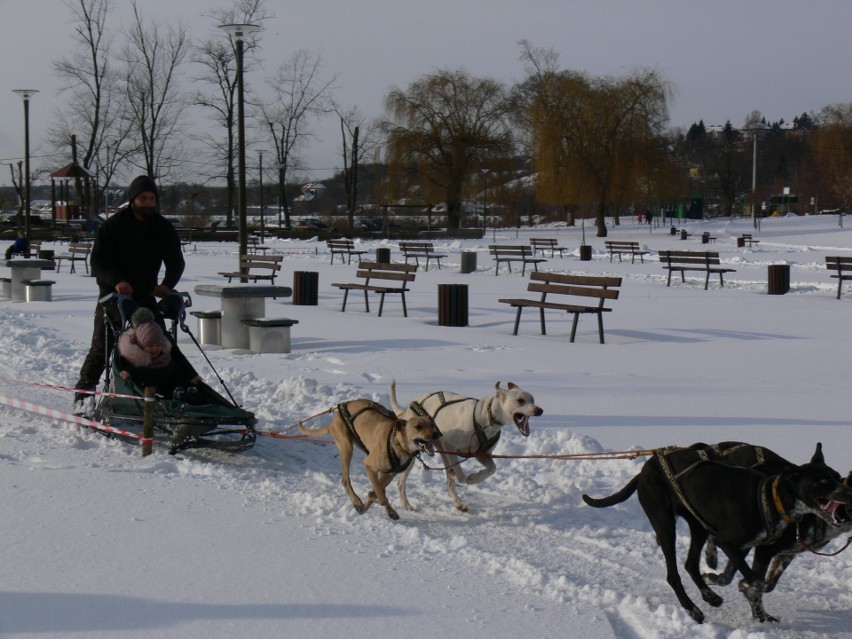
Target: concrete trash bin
(209, 326)
(452, 304)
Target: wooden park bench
(545, 244)
(254, 246)
(77, 252)
(256, 267)
(706, 238)
(619, 247)
(508, 253)
(420, 250)
(842, 267)
(343, 247)
(575, 294)
(747, 240)
(391, 278)
(703, 261)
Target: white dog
(471, 428)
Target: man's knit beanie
(140, 185)
(140, 316)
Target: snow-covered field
(100, 542)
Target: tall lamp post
(484, 198)
(238, 33)
(260, 168)
(755, 129)
(26, 94)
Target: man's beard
(144, 212)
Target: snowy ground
(99, 542)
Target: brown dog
(389, 442)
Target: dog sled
(196, 416)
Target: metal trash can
(740, 242)
(452, 304)
(209, 326)
(683, 234)
(383, 255)
(468, 262)
(779, 279)
(305, 288)
(585, 253)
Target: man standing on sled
(129, 250)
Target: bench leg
(600, 327)
(517, 320)
(71, 270)
(345, 296)
(381, 303)
(574, 326)
(707, 280)
(669, 281)
(839, 285)
(721, 280)
(367, 303)
(404, 307)
(541, 319)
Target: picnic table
(240, 302)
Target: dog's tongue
(523, 424)
(426, 447)
(831, 507)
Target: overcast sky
(723, 58)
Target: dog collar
(776, 499)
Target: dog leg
(403, 493)
(663, 521)
(752, 584)
(451, 463)
(698, 535)
(380, 481)
(489, 468)
(776, 569)
(345, 447)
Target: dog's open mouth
(425, 446)
(523, 423)
(829, 508)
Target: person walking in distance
(129, 251)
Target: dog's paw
(392, 513)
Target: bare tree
(155, 106)
(445, 126)
(217, 58)
(832, 148)
(92, 106)
(360, 139)
(301, 94)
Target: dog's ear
(400, 424)
(499, 391)
(513, 385)
(818, 456)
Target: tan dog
(471, 428)
(389, 442)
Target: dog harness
(396, 466)
(769, 502)
(485, 443)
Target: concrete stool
(7, 286)
(209, 326)
(39, 290)
(269, 335)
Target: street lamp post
(484, 198)
(238, 33)
(26, 94)
(755, 130)
(260, 168)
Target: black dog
(812, 534)
(739, 507)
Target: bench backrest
(513, 250)
(542, 242)
(418, 247)
(621, 244)
(262, 260)
(81, 248)
(838, 263)
(690, 258)
(341, 244)
(601, 287)
(401, 273)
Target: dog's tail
(314, 431)
(617, 498)
(394, 403)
